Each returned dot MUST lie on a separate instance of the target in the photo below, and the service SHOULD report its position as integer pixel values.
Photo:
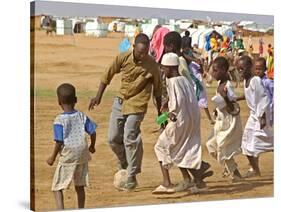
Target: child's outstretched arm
(56, 150)
(92, 148)
(240, 98)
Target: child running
(258, 135)
(179, 143)
(226, 139)
(70, 130)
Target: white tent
(120, 26)
(258, 27)
(64, 27)
(79, 25)
(130, 30)
(244, 23)
(196, 36)
(202, 37)
(96, 29)
(148, 29)
(157, 21)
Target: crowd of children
(184, 93)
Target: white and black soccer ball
(120, 178)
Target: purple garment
(194, 68)
(269, 87)
(268, 84)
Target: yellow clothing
(270, 67)
(136, 81)
(214, 44)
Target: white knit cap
(170, 59)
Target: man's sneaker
(129, 186)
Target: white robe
(256, 140)
(180, 143)
(226, 141)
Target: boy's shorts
(65, 173)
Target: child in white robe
(258, 134)
(179, 144)
(226, 139)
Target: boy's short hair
(263, 61)
(173, 38)
(66, 94)
(142, 38)
(222, 62)
(247, 61)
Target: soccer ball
(120, 178)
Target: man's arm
(56, 150)
(105, 80)
(96, 100)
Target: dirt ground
(80, 60)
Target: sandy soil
(81, 60)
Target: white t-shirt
(70, 129)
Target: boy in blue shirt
(70, 130)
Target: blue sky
(93, 10)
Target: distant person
(258, 135)
(260, 70)
(47, 25)
(261, 43)
(137, 30)
(270, 62)
(139, 74)
(115, 27)
(250, 42)
(225, 141)
(70, 129)
(180, 143)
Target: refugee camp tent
(225, 31)
(258, 27)
(244, 23)
(130, 30)
(78, 26)
(148, 29)
(120, 26)
(64, 27)
(202, 37)
(96, 29)
(196, 36)
(157, 21)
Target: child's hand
(50, 161)
(92, 149)
(172, 117)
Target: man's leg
(133, 144)
(116, 131)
